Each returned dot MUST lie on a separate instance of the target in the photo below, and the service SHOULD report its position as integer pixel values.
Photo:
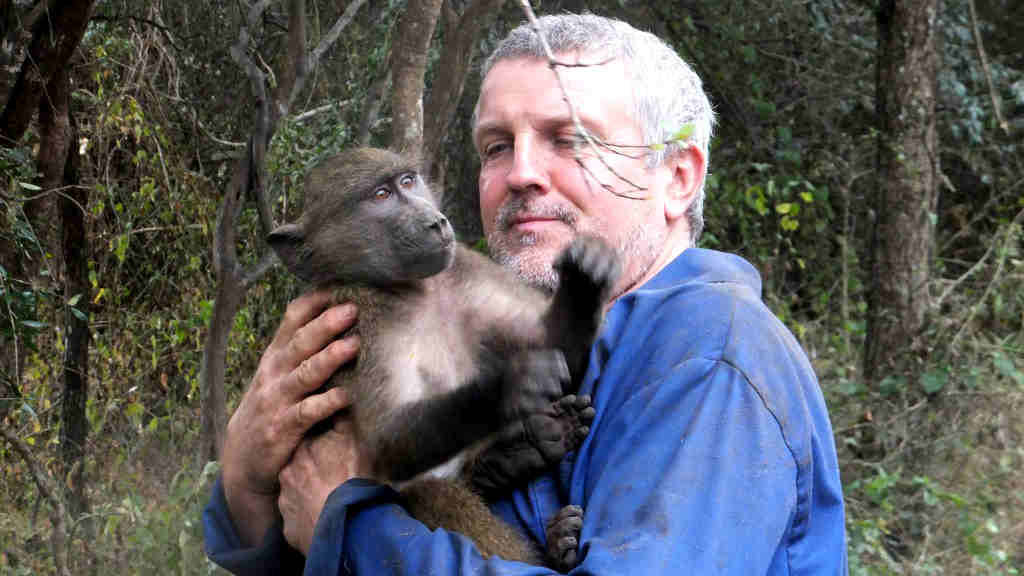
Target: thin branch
(49, 490)
(577, 124)
(988, 72)
(1003, 250)
(259, 270)
(163, 163)
(970, 272)
(212, 136)
(58, 191)
(372, 108)
(993, 201)
(310, 113)
(332, 34)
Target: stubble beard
(530, 257)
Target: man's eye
(382, 193)
(569, 140)
(495, 149)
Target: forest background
(867, 161)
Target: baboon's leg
(450, 504)
(563, 534)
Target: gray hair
(668, 94)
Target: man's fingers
(299, 312)
(316, 334)
(317, 407)
(314, 371)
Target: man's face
(534, 194)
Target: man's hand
(320, 464)
(279, 407)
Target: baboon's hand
(527, 447)
(588, 269)
(532, 380)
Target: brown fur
(453, 347)
(430, 500)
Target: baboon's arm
(422, 435)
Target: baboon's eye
(407, 180)
(382, 193)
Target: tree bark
(461, 34)
(230, 294)
(75, 241)
(54, 39)
(413, 33)
(907, 185)
(54, 134)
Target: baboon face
(368, 218)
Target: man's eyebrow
(484, 128)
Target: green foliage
(901, 510)
(20, 300)
(790, 189)
(163, 535)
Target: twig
(332, 34)
(49, 490)
(58, 191)
(163, 163)
(251, 276)
(310, 113)
(994, 200)
(988, 72)
(577, 124)
(970, 271)
(1003, 249)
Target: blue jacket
(711, 453)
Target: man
(710, 452)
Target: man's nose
(529, 166)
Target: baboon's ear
(289, 242)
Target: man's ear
(687, 173)
(289, 242)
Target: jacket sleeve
(688, 475)
(224, 546)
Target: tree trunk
(54, 140)
(907, 191)
(412, 37)
(54, 39)
(460, 39)
(74, 425)
(213, 401)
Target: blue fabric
(711, 453)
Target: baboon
(455, 351)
